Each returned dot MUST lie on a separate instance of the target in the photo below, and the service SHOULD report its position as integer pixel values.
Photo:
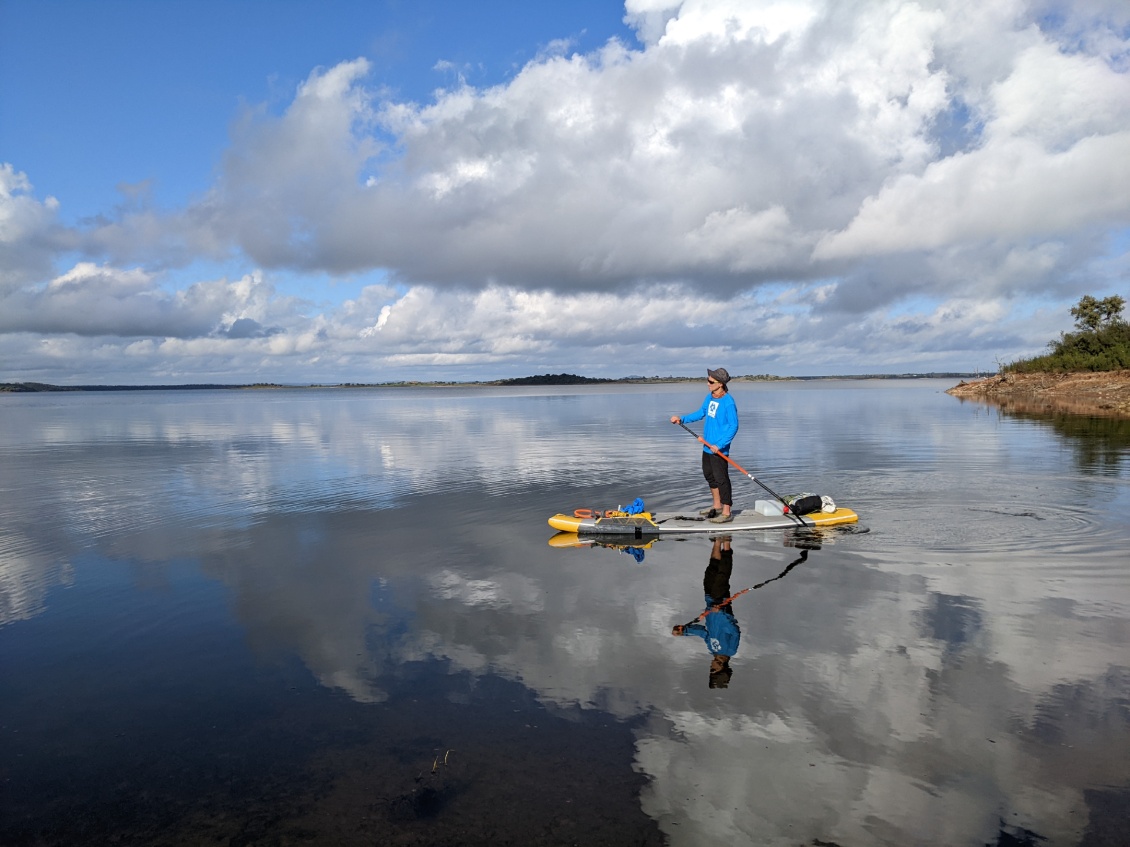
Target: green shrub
(1101, 342)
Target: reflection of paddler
(717, 625)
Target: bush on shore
(1101, 341)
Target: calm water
(334, 617)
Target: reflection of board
(571, 539)
(684, 523)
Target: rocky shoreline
(1102, 393)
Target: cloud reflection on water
(890, 690)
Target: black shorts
(717, 473)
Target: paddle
(714, 449)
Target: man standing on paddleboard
(721, 416)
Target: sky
(370, 191)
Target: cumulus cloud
(746, 142)
(1013, 191)
(882, 154)
(30, 234)
(97, 300)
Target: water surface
(332, 616)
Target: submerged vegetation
(1100, 342)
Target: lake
(335, 616)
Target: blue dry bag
(633, 508)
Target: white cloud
(29, 231)
(625, 165)
(1059, 99)
(1014, 190)
(649, 18)
(99, 300)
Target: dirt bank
(1106, 394)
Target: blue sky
(100, 93)
(363, 191)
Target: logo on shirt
(712, 408)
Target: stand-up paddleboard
(656, 524)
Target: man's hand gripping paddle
(715, 450)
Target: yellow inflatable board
(654, 524)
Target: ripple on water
(1034, 530)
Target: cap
(720, 374)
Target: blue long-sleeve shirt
(719, 629)
(721, 416)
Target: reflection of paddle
(803, 557)
(716, 451)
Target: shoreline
(1101, 393)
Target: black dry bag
(806, 504)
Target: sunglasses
(712, 381)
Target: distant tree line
(553, 379)
(1100, 342)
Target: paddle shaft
(718, 452)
